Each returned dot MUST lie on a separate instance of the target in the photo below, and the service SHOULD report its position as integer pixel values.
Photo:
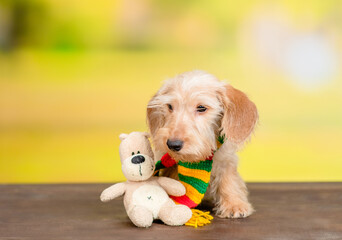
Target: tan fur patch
(240, 115)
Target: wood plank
(74, 211)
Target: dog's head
(190, 111)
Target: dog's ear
(155, 118)
(239, 117)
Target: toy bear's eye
(138, 152)
(132, 153)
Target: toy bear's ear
(123, 136)
(146, 134)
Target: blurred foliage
(74, 75)
(26, 23)
(134, 24)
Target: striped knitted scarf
(194, 176)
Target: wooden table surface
(73, 211)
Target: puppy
(186, 117)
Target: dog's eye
(138, 152)
(201, 108)
(170, 107)
(132, 153)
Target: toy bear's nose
(174, 145)
(138, 159)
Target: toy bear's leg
(140, 216)
(173, 214)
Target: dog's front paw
(234, 210)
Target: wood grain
(74, 211)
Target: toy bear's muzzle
(138, 167)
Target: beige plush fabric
(146, 197)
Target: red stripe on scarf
(185, 200)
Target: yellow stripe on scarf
(196, 196)
(198, 173)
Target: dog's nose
(174, 145)
(138, 159)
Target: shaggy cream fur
(196, 108)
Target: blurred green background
(76, 74)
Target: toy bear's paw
(141, 217)
(236, 210)
(106, 196)
(175, 215)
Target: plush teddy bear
(145, 196)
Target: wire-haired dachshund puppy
(187, 116)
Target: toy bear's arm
(171, 186)
(112, 192)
